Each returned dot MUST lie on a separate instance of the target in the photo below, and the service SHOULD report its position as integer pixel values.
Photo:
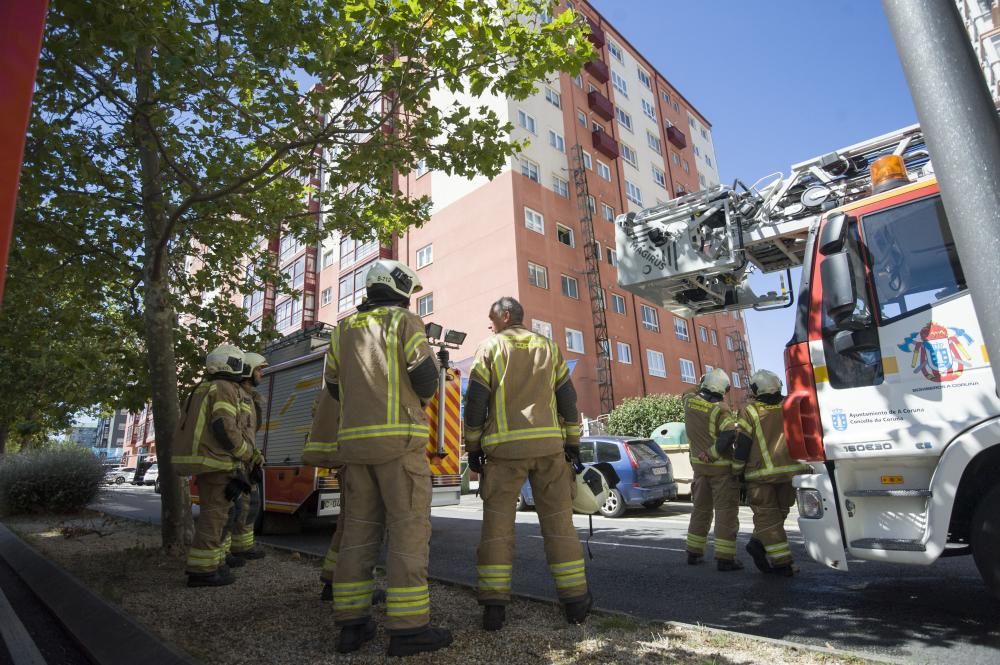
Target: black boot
(577, 610)
(755, 549)
(694, 559)
(209, 579)
(493, 617)
(787, 570)
(327, 592)
(225, 572)
(429, 639)
(252, 553)
(727, 565)
(353, 636)
(234, 561)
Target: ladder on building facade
(742, 359)
(593, 267)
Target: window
(704, 134)
(677, 107)
(326, 297)
(687, 371)
(604, 349)
(692, 123)
(620, 84)
(296, 273)
(596, 126)
(708, 160)
(628, 154)
(708, 368)
(681, 329)
(610, 452)
(648, 109)
(703, 333)
(288, 314)
(659, 177)
(570, 287)
(254, 304)
(624, 353)
(608, 212)
(288, 247)
(352, 288)
(674, 158)
(543, 328)
(592, 204)
(526, 121)
(553, 97)
(644, 78)
(425, 305)
(686, 166)
(730, 345)
(919, 231)
(538, 275)
(624, 119)
(612, 257)
(529, 170)
(564, 234)
(603, 170)
(650, 321)
(617, 303)
(327, 258)
(422, 167)
(633, 193)
(560, 186)
(574, 340)
(425, 255)
(697, 152)
(666, 97)
(591, 88)
(534, 221)
(715, 338)
(578, 80)
(701, 179)
(557, 141)
(352, 250)
(587, 161)
(653, 142)
(581, 117)
(616, 51)
(655, 363)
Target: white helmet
(225, 360)
(397, 276)
(591, 491)
(765, 382)
(716, 381)
(252, 361)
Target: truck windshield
(913, 259)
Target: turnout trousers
(207, 550)
(770, 503)
(247, 508)
(719, 495)
(330, 560)
(551, 481)
(394, 496)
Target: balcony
(600, 105)
(598, 70)
(596, 35)
(676, 137)
(605, 143)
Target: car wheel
(120, 480)
(986, 539)
(156, 485)
(614, 506)
(521, 504)
(654, 504)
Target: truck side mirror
(840, 294)
(855, 342)
(834, 233)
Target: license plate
(659, 470)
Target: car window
(644, 450)
(608, 452)
(587, 452)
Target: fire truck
(891, 397)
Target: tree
(638, 416)
(173, 130)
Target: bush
(638, 416)
(56, 480)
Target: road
(941, 614)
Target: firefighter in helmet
(714, 489)
(247, 505)
(760, 453)
(212, 445)
(381, 370)
(521, 422)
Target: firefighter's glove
(256, 459)
(476, 461)
(257, 474)
(573, 457)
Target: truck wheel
(986, 539)
(615, 504)
(521, 504)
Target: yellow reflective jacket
(703, 421)
(197, 448)
(769, 461)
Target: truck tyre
(521, 504)
(615, 504)
(986, 539)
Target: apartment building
(617, 137)
(139, 438)
(982, 21)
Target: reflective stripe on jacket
(521, 370)
(769, 460)
(371, 353)
(197, 448)
(703, 421)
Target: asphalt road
(940, 614)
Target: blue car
(646, 479)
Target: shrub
(55, 480)
(638, 416)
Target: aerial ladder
(693, 255)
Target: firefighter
(247, 506)
(714, 489)
(213, 446)
(521, 422)
(381, 370)
(760, 453)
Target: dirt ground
(273, 614)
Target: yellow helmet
(715, 381)
(591, 491)
(225, 360)
(399, 277)
(765, 382)
(252, 361)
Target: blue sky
(780, 80)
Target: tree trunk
(3, 439)
(176, 525)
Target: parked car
(152, 477)
(646, 477)
(119, 475)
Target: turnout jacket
(760, 450)
(704, 421)
(200, 448)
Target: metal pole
(442, 389)
(962, 131)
